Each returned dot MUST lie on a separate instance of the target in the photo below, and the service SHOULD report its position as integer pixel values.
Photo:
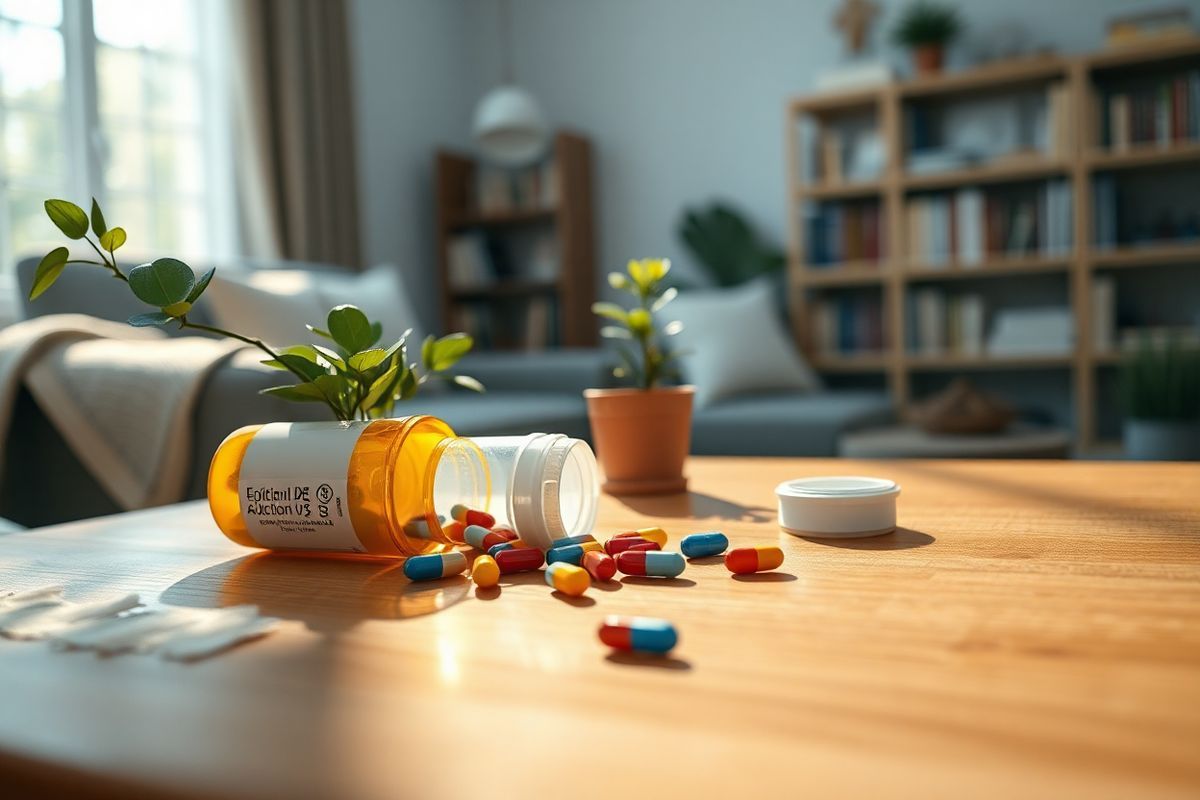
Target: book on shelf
(848, 325)
(499, 190)
(940, 323)
(1060, 120)
(842, 232)
(970, 225)
(1104, 314)
(1160, 112)
(1032, 332)
(469, 264)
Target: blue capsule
(496, 548)
(571, 553)
(699, 545)
(439, 565)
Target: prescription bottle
(380, 487)
(546, 485)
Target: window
(118, 100)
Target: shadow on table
(899, 539)
(326, 594)
(697, 505)
(647, 660)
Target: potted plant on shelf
(1160, 381)
(925, 29)
(642, 434)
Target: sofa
(525, 392)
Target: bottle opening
(458, 475)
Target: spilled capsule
(432, 567)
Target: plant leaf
(367, 359)
(467, 382)
(330, 356)
(613, 332)
(299, 393)
(319, 332)
(48, 270)
(98, 226)
(149, 319)
(350, 328)
(408, 384)
(201, 284)
(112, 239)
(162, 282)
(376, 332)
(68, 217)
(670, 294)
(445, 352)
(297, 364)
(611, 311)
(380, 387)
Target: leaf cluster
(926, 23)
(1160, 378)
(351, 374)
(641, 344)
(722, 240)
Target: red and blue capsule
(638, 634)
(651, 562)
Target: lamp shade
(509, 128)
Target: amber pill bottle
(379, 488)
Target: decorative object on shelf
(960, 408)
(854, 19)
(350, 374)
(726, 246)
(1144, 27)
(509, 127)
(1160, 387)
(926, 29)
(642, 434)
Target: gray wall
(683, 99)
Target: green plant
(727, 246)
(351, 374)
(643, 279)
(1160, 379)
(925, 23)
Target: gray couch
(526, 392)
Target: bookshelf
(515, 248)
(1081, 86)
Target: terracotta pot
(928, 58)
(641, 437)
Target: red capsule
(601, 566)
(619, 544)
(519, 559)
(508, 533)
(745, 560)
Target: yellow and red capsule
(760, 558)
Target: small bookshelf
(516, 250)
(963, 232)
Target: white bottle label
(292, 486)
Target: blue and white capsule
(571, 553)
(699, 545)
(566, 540)
(433, 567)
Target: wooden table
(1032, 631)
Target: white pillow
(274, 305)
(735, 343)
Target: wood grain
(1032, 630)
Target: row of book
(848, 324)
(475, 260)
(1120, 218)
(970, 225)
(841, 232)
(526, 323)
(941, 323)
(499, 190)
(1159, 113)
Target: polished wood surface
(1032, 630)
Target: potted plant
(1160, 383)
(642, 434)
(926, 28)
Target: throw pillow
(274, 305)
(735, 343)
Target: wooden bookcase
(568, 221)
(894, 276)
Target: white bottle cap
(841, 507)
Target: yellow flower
(648, 271)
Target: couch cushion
(788, 424)
(496, 413)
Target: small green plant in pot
(642, 434)
(1160, 387)
(926, 29)
(345, 368)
